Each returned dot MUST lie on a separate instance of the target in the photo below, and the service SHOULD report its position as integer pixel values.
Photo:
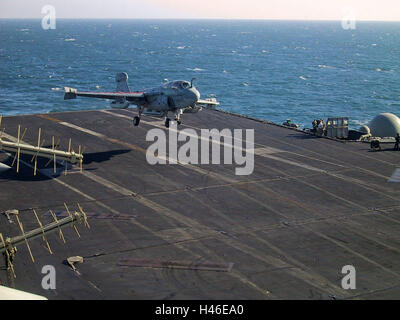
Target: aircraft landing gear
(136, 121)
(178, 116)
(167, 120)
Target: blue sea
(272, 70)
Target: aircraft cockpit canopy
(180, 84)
(185, 84)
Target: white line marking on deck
(263, 152)
(93, 133)
(396, 176)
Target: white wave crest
(324, 66)
(195, 69)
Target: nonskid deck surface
(177, 231)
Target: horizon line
(226, 19)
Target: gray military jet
(174, 96)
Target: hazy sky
(226, 9)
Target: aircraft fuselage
(171, 96)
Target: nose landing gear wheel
(167, 120)
(136, 121)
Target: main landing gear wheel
(178, 114)
(136, 121)
(167, 120)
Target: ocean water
(272, 70)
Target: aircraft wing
(133, 97)
(211, 101)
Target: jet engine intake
(162, 102)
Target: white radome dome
(385, 125)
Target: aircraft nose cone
(196, 93)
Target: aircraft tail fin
(122, 82)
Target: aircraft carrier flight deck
(175, 231)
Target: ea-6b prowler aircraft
(172, 96)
